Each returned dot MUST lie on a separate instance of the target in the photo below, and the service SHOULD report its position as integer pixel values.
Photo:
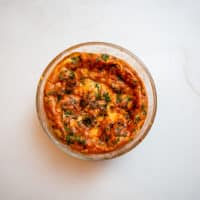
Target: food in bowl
(95, 103)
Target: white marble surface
(165, 35)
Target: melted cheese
(90, 99)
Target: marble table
(165, 35)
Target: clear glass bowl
(132, 60)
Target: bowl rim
(126, 51)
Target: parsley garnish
(67, 112)
(80, 140)
(105, 57)
(106, 97)
(66, 128)
(137, 119)
(69, 139)
(69, 136)
(98, 95)
(128, 98)
(97, 85)
(71, 74)
(75, 60)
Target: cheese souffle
(95, 103)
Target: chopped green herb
(66, 74)
(137, 119)
(106, 97)
(69, 139)
(69, 136)
(80, 140)
(67, 112)
(71, 74)
(75, 60)
(97, 85)
(105, 57)
(128, 98)
(67, 129)
(98, 94)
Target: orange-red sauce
(94, 103)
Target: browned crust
(95, 103)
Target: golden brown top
(95, 103)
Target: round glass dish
(117, 51)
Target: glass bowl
(117, 51)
